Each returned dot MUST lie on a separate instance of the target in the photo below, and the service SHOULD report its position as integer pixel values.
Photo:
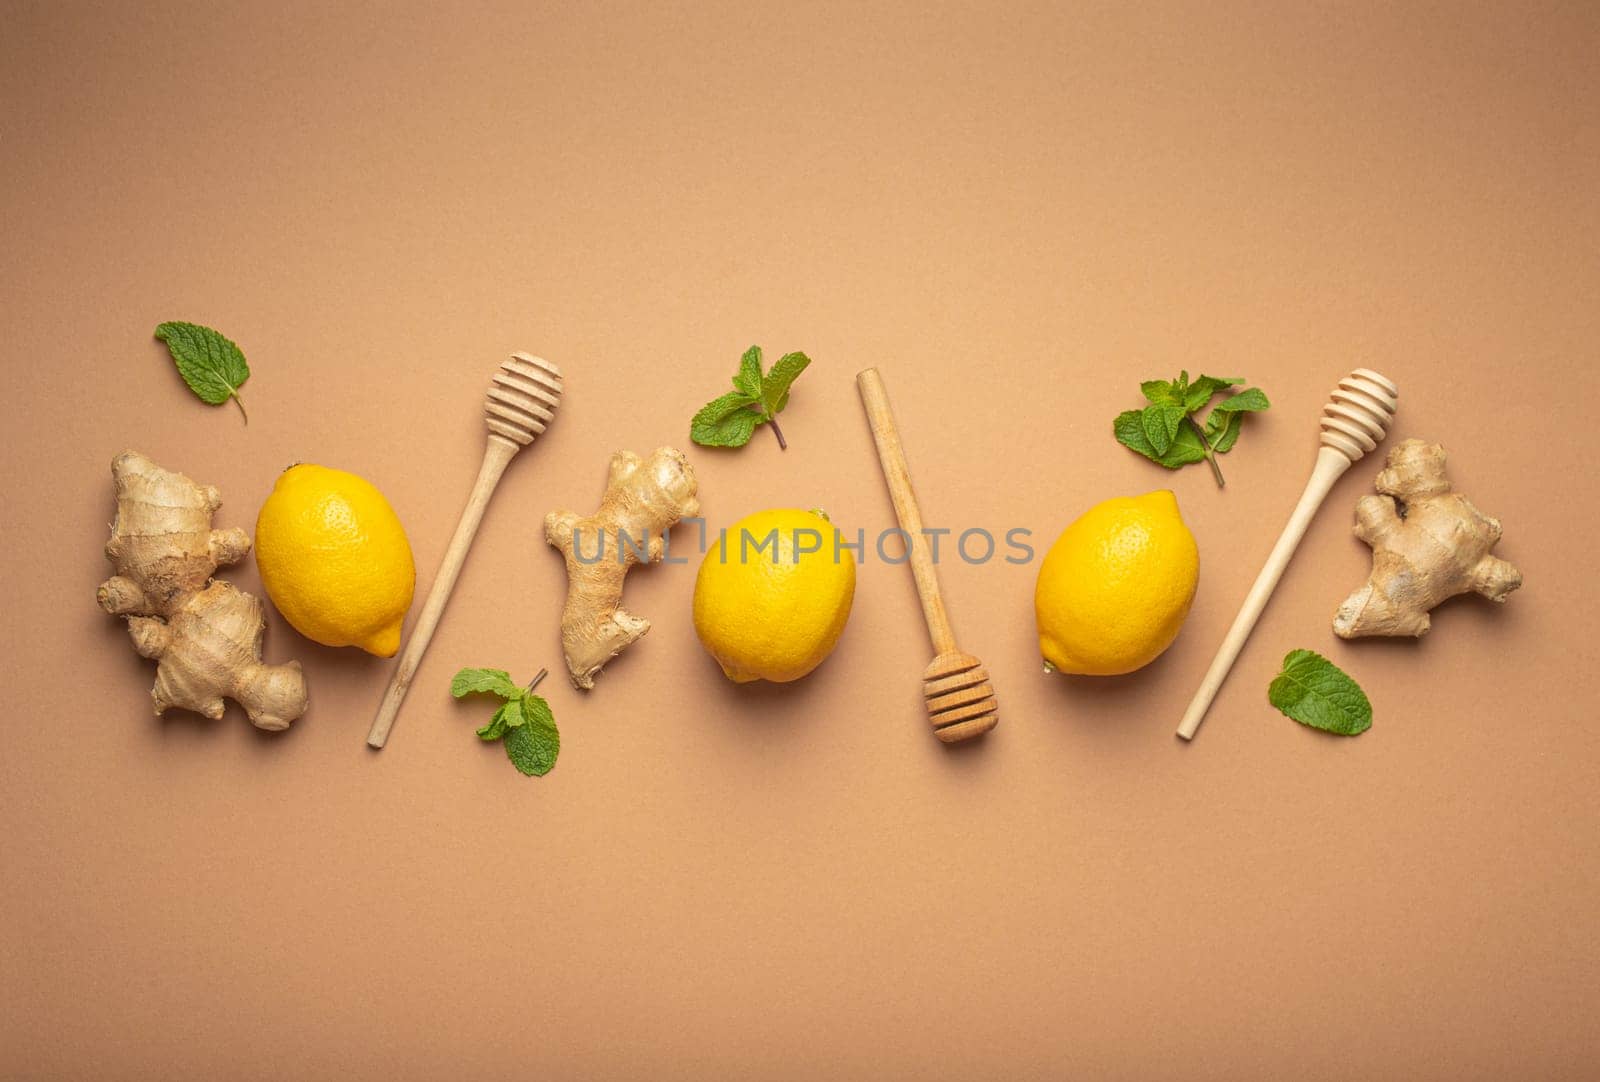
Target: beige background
(1018, 213)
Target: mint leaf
(1167, 432)
(1225, 422)
(480, 681)
(1155, 429)
(524, 721)
(532, 746)
(535, 711)
(1222, 430)
(519, 715)
(1161, 426)
(728, 421)
(209, 362)
(1204, 389)
(1314, 691)
(500, 721)
(1184, 449)
(1251, 400)
(757, 399)
(1128, 428)
(1173, 417)
(775, 387)
(748, 381)
(1160, 392)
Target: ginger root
(644, 498)
(1428, 544)
(205, 636)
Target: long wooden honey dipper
(1355, 421)
(522, 402)
(960, 697)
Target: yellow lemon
(335, 559)
(773, 595)
(1115, 587)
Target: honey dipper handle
(496, 456)
(1330, 465)
(897, 475)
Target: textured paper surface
(1018, 213)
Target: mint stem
(240, 403)
(1211, 458)
(540, 675)
(783, 445)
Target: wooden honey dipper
(1355, 420)
(522, 402)
(956, 686)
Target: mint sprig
(1314, 691)
(1167, 432)
(523, 722)
(209, 362)
(731, 419)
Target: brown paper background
(1018, 213)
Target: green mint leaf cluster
(209, 362)
(1314, 691)
(731, 419)
(523, 722)
(1167, 432)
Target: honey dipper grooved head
(523, 398)
(1358, 413)
(960, 698)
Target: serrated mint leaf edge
(1204, 389)
(1159, 392)
(1252, 399)
(472, 681)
